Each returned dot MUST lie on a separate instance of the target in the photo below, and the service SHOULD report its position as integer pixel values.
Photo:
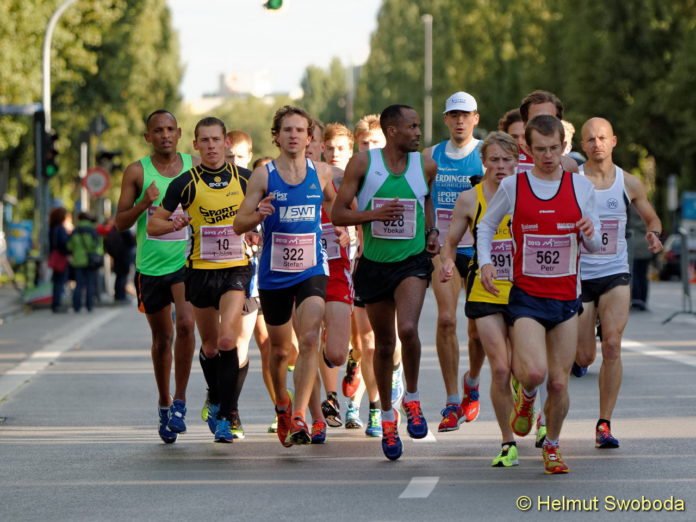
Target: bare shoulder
(430, 166)
(634, 185)
(428, 152)
(466, 202)
(133, 175)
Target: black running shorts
(155, 292)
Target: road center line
(420, 487)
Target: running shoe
(273, 427)
(299, 432)
(391, 443)
(177, 414)
(332, 413)
(522, 416)
(351, 380)
(204, 409)
(353, 421)
(318, 432)
(553, 462)
(213, 410)
(236, 425)
(416, 426)
(374, 424)
(284, 421)
(470, 406)
(507, 457)
(168, 437)
(397, 385)
(540, 436)
(578, 371)
(604, 439)
(223, 431)
(450, 418)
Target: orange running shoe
(553, 462)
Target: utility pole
(428, 80)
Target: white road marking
(654, 351)
(39, 360)
(420, 487)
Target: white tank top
(612, 207)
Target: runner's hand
(388, 211)
(487, 274)
(446, 270)
(586, 226)
(151, 193)
(180, 221)
(432, 243)
(342, 236)
(265, 207)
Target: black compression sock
(228, 370)
(209, 367)
(241, 377)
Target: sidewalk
(10, 302)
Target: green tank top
(162, 255)
(393, 241)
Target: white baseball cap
(460, 101)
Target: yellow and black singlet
(501, 256)
(212, 199)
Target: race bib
(220, 244)
(293, 252)
(329, 241)
(177, 235)
(403, 227)
(443, 220)
(549, 256)
(610, 238)
(501, 257)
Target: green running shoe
(507, 457)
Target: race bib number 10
(220, 244)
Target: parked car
(668, 262)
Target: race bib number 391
(403, 227)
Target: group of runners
(327, 262)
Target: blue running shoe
(397, 385)
(353, 421)
(391, 442)
(604, 439)
(318, 432)
(223, 432)
(177, 413)
(416, 426)
(374, 424)
(213, 410)
(168, 437)
(578, 371)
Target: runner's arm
(160, 222)
(127, 210)
(639, 198)
(432, 238)
(589, 224)
(255, 206)
(498, 207)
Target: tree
(325, 92)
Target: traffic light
(273, 4)
(50, 156)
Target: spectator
(120, 245)
(87, 257)
(58, 255)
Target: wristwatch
(657, 233)
(431, 229)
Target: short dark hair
(544, 124)
(284, 111)
(537, 97)
(392, 115)
(155, 113)
(510, 117)
(209, 121)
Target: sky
(241, 38)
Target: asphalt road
(78, 439)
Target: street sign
(96, 181)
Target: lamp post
(428, 79)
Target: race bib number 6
(610, 238)
(403, 227)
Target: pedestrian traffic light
(273, 4)
(50, 156)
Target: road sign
(96, 181)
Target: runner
(392, 186)
(512, 124)
(606, 274)
(499, 153)
(159, 263)
(552, 211)
(285, 197)
(240, 151)
(458, 161)
(217, 267)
